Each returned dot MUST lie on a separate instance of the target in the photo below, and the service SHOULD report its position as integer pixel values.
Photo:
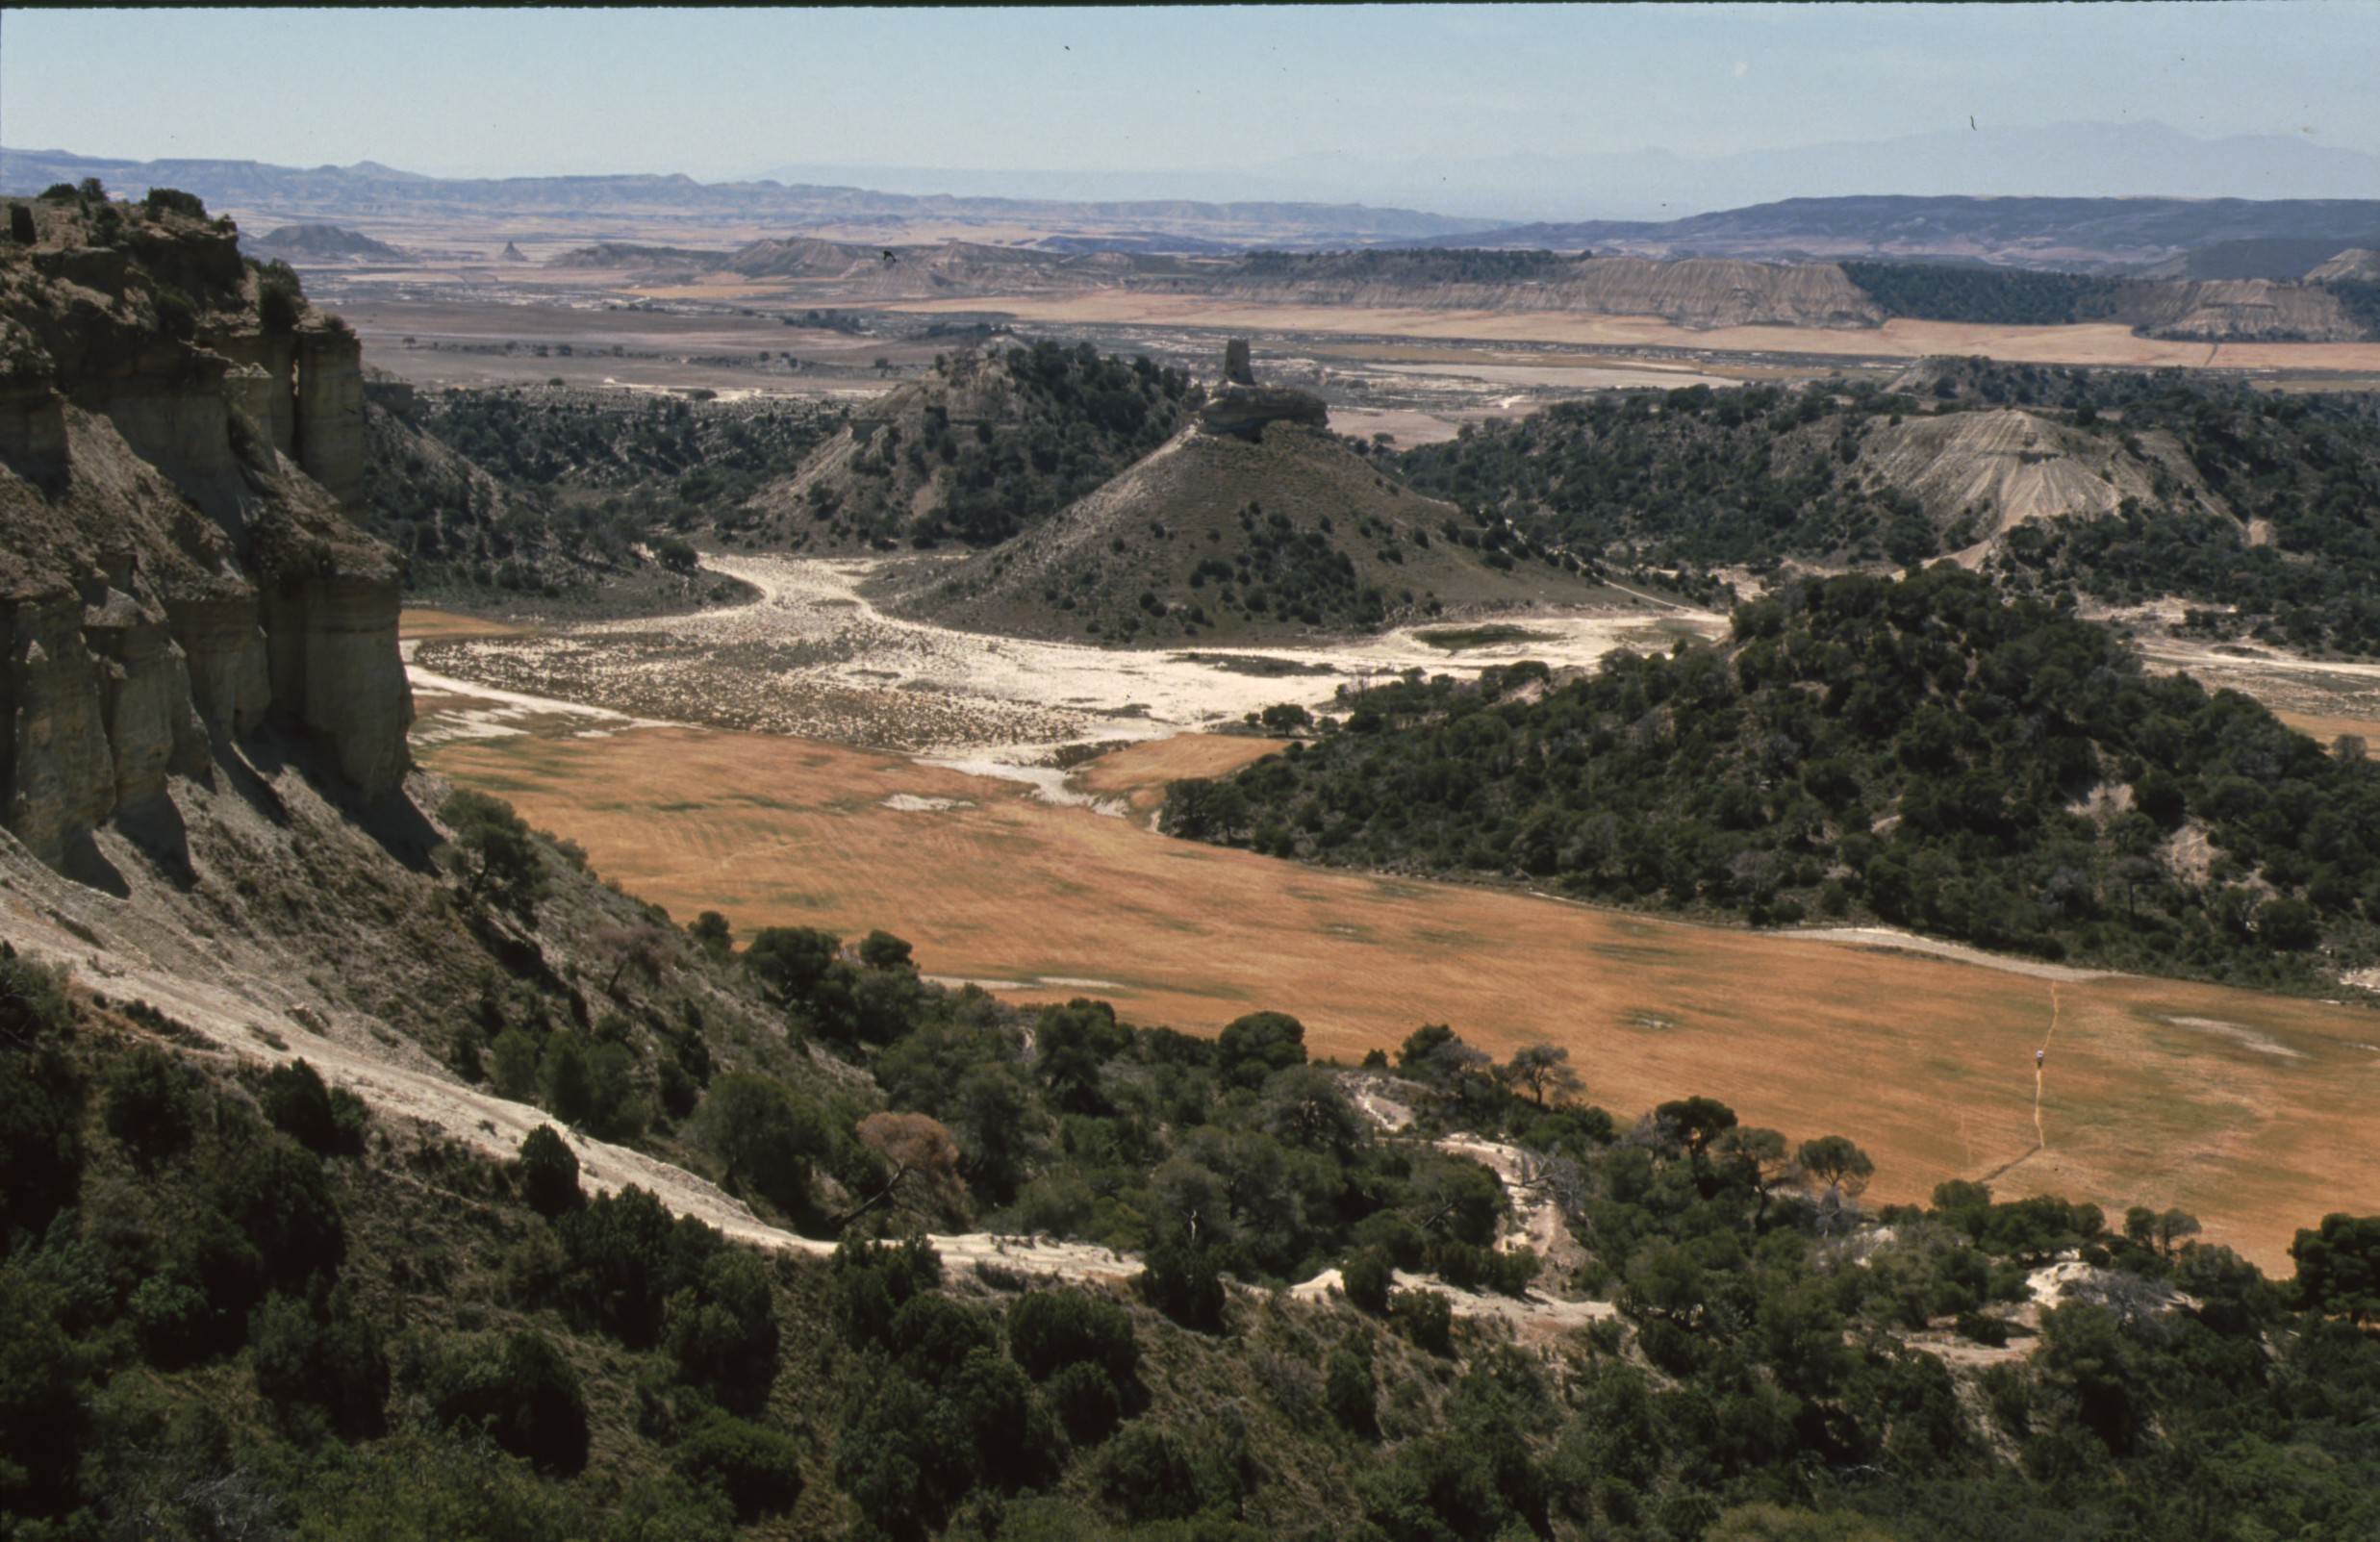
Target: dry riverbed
(813, 657)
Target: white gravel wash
(814, 656)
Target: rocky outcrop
(175, 573)
(33, 430)
(330, 409)
(2243, 310)
(2357, 265)
(1241, 408)
(223, 642)
(54, 741)
(333, 670)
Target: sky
(728, 93)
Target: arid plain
(2232, 1104)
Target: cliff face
(2245, 309)
(175, 573)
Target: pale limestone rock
(231, 686)
(330, 412)
(331, 646)
(61, 778)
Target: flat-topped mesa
(1240, 408)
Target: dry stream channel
(813, 657)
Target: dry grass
(427, 625)
(2256, 1113)
(2325, 730)
(1138, 773)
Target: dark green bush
(721, 1332)
(550, 1172)
(522, 1392)
(1183, 1283)
(173, 200)
(323, 1365)
(1367, 1278)
(1146, 1475)
(626, 1256)
(1349, 1393)
(1087, 1401)
(34, 1146)
(327, 1122)
(147, 1096)
(277, 1198)
(281, 302)
(757, 1468)
(766, 1138)
(1426, 1317)
(1049, 1331)
(870, 1282)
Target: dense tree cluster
(410, 1342)
(544, 491)
(1698, 479)
(1990, 296)
(1692, 478)
(1070, 419)
(1925, 752)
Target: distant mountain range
(2024, 197)
(2063, 160)
(650, 205)
(2218, 237)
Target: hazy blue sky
(723, 93)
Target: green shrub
(172, 200)
(281, 304)
(871, 1282)
(326, 1365)
(525, 1394)
(758, 1470)
(1049, 1331)
(42, 1401)
(764, 1137)
(1349, 1393)
(177, 314)
(1087, 1401)
(326, 1121)
(1184, 1284)
(1251, 1047)
(277, 1198)
(1367, 1278)
(712, 934)
(513, 1058)
(1146, 1475)
(550, 1172)
(493, 856)
(721, 1332)
(147, 1096)
(626, 1256)
(1426, 1317)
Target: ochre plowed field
(2257, 1113)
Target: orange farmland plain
(2256, 1113)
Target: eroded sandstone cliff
(177, 430)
